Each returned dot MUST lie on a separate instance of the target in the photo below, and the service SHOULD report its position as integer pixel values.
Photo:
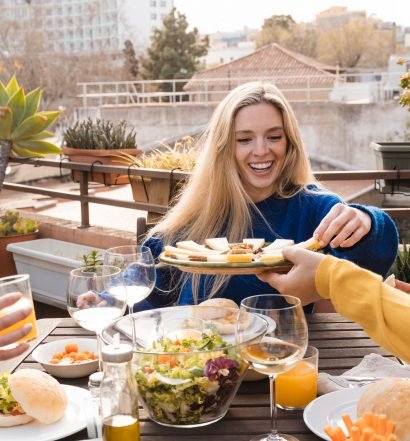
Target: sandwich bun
(40, 395)
(391, 397)
(223, 314)
(14, 420)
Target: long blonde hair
(214, 198)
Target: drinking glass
(283, 345)
(12, 284)
(138, 267)
(95, 297)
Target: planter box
(8, 267)
(392, 156)
(102, 157)
(49, 262)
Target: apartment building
(85, 26)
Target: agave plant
(22, 127)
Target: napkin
(372, 365)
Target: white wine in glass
(96, 297)
(283, 345)
(138, 267)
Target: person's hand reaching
(10, 319)
(300, 280)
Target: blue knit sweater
(295, 218)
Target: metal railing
(307, 88)
(86, 169)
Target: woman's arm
(166, 290)
(382, 311)
(358, 294)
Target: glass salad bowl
(187, 359)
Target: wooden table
(341, 344)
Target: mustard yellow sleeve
(360, 295)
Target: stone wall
(340, 131)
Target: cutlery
(352, 381)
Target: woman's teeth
(261, 165)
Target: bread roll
(40, 395)
(390, 396)
(14, 420)
(223, 314)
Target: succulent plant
(100, 135)
(22, 127)
(12, 224)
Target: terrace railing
(85, 170)
(309, 88)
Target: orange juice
(30, 319)
(297, 387)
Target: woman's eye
(244, 140)
(275, 138)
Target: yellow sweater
(360, 295)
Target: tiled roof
(273, 62)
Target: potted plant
(395, 155)
(13, 228)
(98, 142)
(158, 191)
(22, 127)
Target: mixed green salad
(192, 384)
(8, 405)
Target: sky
(230, 15)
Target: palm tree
(22, 127)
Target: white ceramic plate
(73, 421)
(328, 410)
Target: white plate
(73, 421)
(328, 410)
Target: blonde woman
(253, 179)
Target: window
(153, 16)
(153, 3)
(163, 3)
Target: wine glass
(138, 267)
(95, 297)
(283, 345)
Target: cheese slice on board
(256, 243)
(271, 257)
(310, 244)
(277, 245)
(218, 244)
(193, 246)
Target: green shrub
(401, 267)
(12, 224)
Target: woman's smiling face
(260, 148)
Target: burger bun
(14, 420)
(391, 397)
(40, 395)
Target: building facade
(85, 26)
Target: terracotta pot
(7, 267)
(154, 190)
(105, 157)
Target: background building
(83, 26)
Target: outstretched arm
(358, 294)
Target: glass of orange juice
(19, 283)
(297, 387)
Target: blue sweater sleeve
(376, 251)
(165, 290)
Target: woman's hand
(300, 280)
(343, 226)
(403, 286)
(10, 319)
